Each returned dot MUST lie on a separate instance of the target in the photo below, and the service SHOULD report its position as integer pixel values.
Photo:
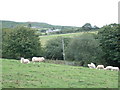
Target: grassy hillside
(45, 75)
(44, 39)
(11, 24)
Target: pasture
(46, 75)
(45, 38)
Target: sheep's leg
(111, 70)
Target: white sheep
(115, 69)
(108, 68)
(25, 61)
(91, 65)
(38, 59)
(100, 67)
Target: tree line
(86, 27)
(101, 48)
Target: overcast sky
(61, 12)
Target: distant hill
(12, 24)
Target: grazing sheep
(115, 69)
(100, 67)
(25, 61)
(38, 59)
(91, 65)
(108, 68)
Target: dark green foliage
(87, 27)
(29, 25)
(5, 39)
(110, 42)
(20, 42)
(54, 50)
(84, 48)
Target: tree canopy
(109, 37)
(84, 48)
(54, 49)
(20, 42)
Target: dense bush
(84, 48)
(54, 50)
(109, 37)
(20, 42)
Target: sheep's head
(89, 65)
(43, 58)
(22, 58)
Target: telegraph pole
(63, 47)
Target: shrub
(109, 37)
(54, 50)
(84, 48)
(20, 42)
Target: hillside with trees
(48, 29)
(12, 24)
(100, 48)
(75, 49)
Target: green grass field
(44, 39)
(46, 75)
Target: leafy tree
(54, 50)
(84, 48)
(109, 37)
(29, 25)
(21, 42)
(5, 39)
(87, 27)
